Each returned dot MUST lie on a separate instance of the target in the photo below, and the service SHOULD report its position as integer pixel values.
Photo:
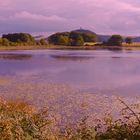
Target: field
(134, 44)
(23, 47)
(87, 46)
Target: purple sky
(101, 16)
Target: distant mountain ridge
(136, 39)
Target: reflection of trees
(71, 58)
(15, 56)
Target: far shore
(56, 47)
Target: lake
(72, 84)
(105, 72)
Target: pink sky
(100, 16)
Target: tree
(76, 39)
(73, 38)
(59, 38)
(115, 40)
(19, 38)
(4, 42)
(79, 41)
(43, 42)
(89, 37)
(128, 40)
(63, 40)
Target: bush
(21, 121)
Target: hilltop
(103, 37)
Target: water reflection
(11, 56)
(116, 57)
(96, 71)
(71, 57)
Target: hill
(136, 39)
(73, 38)
(84, 31)
(100, 38)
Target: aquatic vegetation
(21, 121)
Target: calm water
(106, 72)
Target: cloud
(106, 16)
(29, 16)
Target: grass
(92, 43)
(134, 44)
(87, 46)
(2, 48)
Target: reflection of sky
(105, 70)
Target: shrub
(21, 121)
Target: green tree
(89, 37)
(19, 38)
(76, 39)
(115, 40)
(4, 42)
(73, 38)
(59, 38)
(0, 41)
(79, 41)
(63, 40)
(43, 42)
(128, 40)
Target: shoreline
(113, 48)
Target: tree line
(72, 38)
(117, 40)
(16, 39)
(79, 38)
